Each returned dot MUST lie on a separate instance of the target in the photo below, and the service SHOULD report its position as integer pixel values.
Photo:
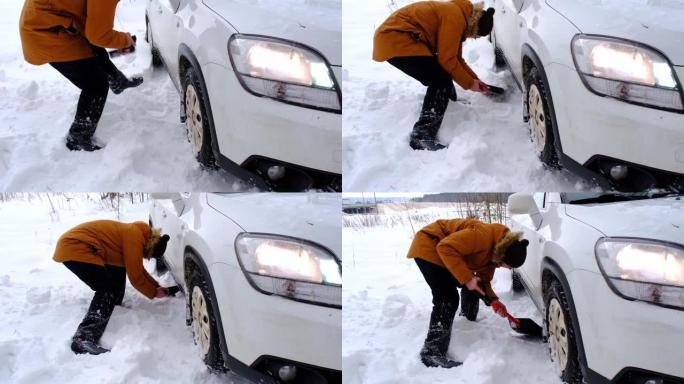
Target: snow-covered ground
(146, 145)
(489, 145)
(42, 302)
(386, 313)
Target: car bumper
(248, 126)
(591, 126)
(620, 335)
(258, 325)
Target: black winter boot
(80, 137)
(94, 323)
(119, 82)
(436, 344)
(424, 134)
(470, 304)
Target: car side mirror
(176, 198)
(524, 204)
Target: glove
(173, 290)
(499, 308)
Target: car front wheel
(197, 121)
(562, 339)
(204, 328)
(541, 125)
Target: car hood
(660, 219)
(316, 23)
(315, 217)
(657, 23)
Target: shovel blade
(528, 327)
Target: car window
(539, 199)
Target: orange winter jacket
(430, 28)
(113, 243)
(466, 247)
(59, 30)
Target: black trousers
(109, 284)
(425, 69)
(445, 300)
(92, 77)
(428, 71)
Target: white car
(262, 277)
(607, 272)
(259, 84)
(602, 85)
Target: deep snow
(489, 145)
(146, 145)
(386, 313)
(41, 303)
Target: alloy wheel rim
(558, 334)
(537, 118)
(194, 117)
(200, 320)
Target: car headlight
(640, 269)
(292, 268)
(285, 71)
(627, 71)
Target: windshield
(602, 197)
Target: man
(71, 35)
(461, 253)
(101, 253)
(425, 41)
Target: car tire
(197, 122)
(540, 118)
(204, 328)
(156, 56)
(562, 340)
(517, 284)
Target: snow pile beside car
(386, 313)
(42, 303)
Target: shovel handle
(488, 300)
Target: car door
(535, 233)
(169, 222)
(162, 16)
(509, 24)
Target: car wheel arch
(551, 270)
(191, 260)
(530, 59)
(187, 59)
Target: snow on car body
(606, 99)
(620, 267)
(273, 309)
(263, 99)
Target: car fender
(550, 265)
(230, 362)
(184, 52)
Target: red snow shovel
(523, 326)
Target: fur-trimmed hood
(155, 237)
(503, 244)
(474, 20)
